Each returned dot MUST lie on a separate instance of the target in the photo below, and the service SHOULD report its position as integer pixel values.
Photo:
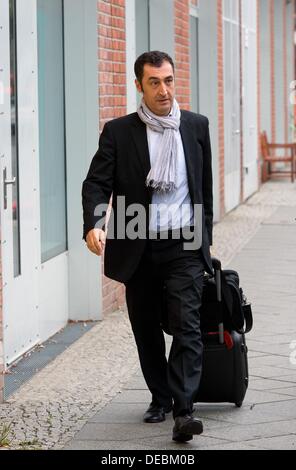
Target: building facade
(65, 69)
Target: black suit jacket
(120, 166)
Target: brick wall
(220, 103)
(182, 54)
(112, 69)
(112, 99)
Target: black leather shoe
(185, 427)
(156, 413)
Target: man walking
(158, 158)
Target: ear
(138, 86)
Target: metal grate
(26, 367)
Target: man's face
(158, 88)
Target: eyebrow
(157, 78)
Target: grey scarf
(163, 174)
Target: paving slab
(260, 383)
(250, 432)
(284, 442)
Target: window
(51, 128)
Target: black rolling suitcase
(225, 318)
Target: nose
(163, 91)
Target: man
(160, 159)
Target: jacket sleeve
(207, 183)
(98, 185)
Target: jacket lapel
(190, 151)
(140, 138)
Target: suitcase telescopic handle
(216, 264)
(217, 268)
(217, 273)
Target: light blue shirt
(171, 210)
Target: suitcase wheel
(239, 404)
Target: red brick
(117, 23)
(182, 57)
(112, 97)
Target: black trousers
(165, 263)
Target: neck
(160, 115)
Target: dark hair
(155, 58)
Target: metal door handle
(6, 182)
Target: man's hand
(95, 240)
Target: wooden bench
(269, 157)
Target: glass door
(19, 215)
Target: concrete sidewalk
(267, 419)
(92, 396)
